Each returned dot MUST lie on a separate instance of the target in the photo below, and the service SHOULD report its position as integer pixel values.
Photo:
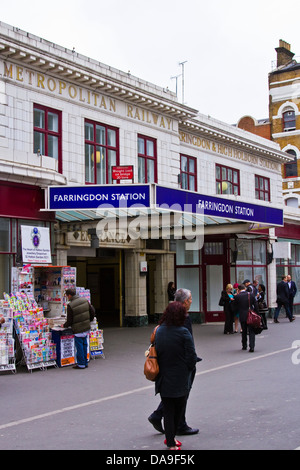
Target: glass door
(214, 279)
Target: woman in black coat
(226, 300)
(177, 358)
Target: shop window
(185, 256)
(290, 266)
(251, 261)
(290, 169)
(227, 180)
(47, 133)
(262, 188)
(101, 152)
(5, 235)
(188, 173)
(147, 160)
(289, 120)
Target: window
(147, 164)
(188, 173)
(289, 120)
(47, 133)
(101, 152)
(290, 169)
(227, 180)
(262, 188)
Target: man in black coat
(283, 299)
(292, 292)
(243, 301)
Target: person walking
(282, 291)
(184, 296)
(80, 313)
(292, 292)
(176, 358)
(243, 301)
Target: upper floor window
(290, 169)
(262, 188)
(101, 152)
(227, 180)
(289, 120)
(188, 173)
(47, 133)
(147, 160)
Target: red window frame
(146, 158)
(262, 188)
(104, 147)
(189, 173)
(227, 176)
(47, 132)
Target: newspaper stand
(33, 332)
(96, 341)
(7, 343)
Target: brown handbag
(151, 368)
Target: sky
(227, 46)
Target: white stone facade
(35, 71)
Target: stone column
(163, 275)
(135, 290)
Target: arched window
(290, 168)
(289, 120)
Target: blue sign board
(92, 197)
(187, 201)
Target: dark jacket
(282, 292)
(177, 358)
(79, 314)
(241, 304)
(292, 289)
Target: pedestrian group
(176, 354)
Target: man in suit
(283, 299)
(185, 297)
(243, 301)
(292, 292)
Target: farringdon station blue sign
(93, 197)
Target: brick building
(283, 127)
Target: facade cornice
(80, 70)
(240, 139)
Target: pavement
(239, 400)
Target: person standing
(292, 292)
(80, 313)
(171, 291)
(176, 358)
(184, 296)
(282, 291)
(245, 300)
(262, 305)
(226, 300)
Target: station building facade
(68, 121)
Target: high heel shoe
(177, 443)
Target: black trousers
(159, 412)
(173, 410)
(245, 329)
